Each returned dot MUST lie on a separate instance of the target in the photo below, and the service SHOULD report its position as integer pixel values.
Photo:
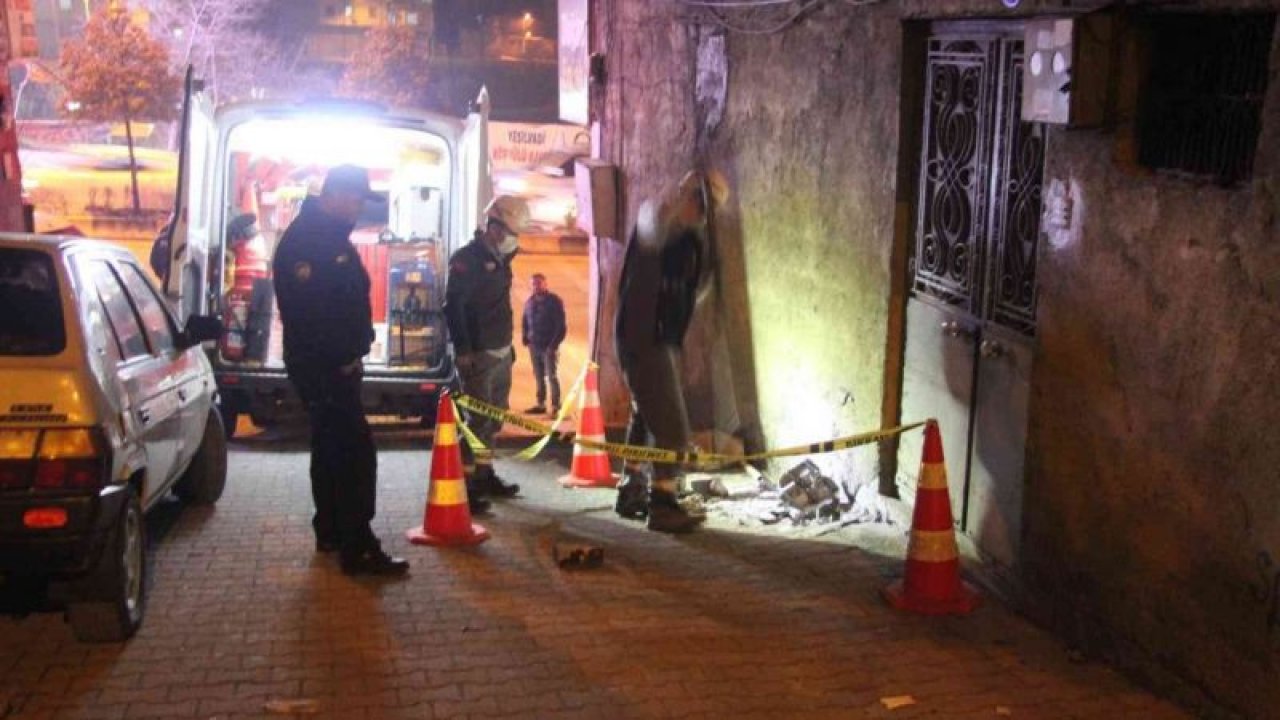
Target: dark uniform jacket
(322, 290)
(543, 325)
(478, 299)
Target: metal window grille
(1203, 107)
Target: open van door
(185, 278)
(475, 186)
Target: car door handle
(144, 416)
(182, 395)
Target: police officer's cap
(349, 179)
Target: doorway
(971, 277)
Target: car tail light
(17, 448)
(70, 459)
(45, 518)
(427, 387)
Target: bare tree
(390, 66)
(218, 37)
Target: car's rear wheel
(205, 478)
(110, 602)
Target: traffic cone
(447, 520)
(590, 468)
(931, 584)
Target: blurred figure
(668, 268)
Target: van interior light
(325, 141)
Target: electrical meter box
(1066, 70)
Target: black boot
(488, 484)
(633, 496)
(476, 502)
(666, 515)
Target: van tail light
(71, 459)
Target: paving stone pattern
(728, 623)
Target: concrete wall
(1151, 509)
(1152, 535)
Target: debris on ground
(802, 497)
(571, 555)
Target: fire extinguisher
(235, 318)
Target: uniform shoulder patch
(302, 271)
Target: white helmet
(510, 211)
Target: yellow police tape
(547, 433)
(648, 454)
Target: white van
(261, 159)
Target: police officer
(322, 291)
(478, 309)
(667, 269)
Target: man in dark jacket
(543, 330)
(478, 309)
(322, 290)
(667, 269)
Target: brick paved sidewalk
(725, 623)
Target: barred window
(1202, 110)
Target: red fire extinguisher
(235, 318)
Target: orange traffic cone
(590, 466)
(931, 584)
(447, 520)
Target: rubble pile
(802, 497)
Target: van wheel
(205, 478)
(111, 600)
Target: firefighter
(322, 291)
(668, 268)
(478, 310)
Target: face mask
(508, 245)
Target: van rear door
(185, 277)
(475, 181)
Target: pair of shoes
(632, 502)
(490, 485)
(373, 561)
(327, 545)
(667, 516)
(538, 409)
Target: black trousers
(344, 461)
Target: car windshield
(31, 320)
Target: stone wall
(1151, 532)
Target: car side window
(124, 323)
(154, 318)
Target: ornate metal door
(971, 314)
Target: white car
(106, 404)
